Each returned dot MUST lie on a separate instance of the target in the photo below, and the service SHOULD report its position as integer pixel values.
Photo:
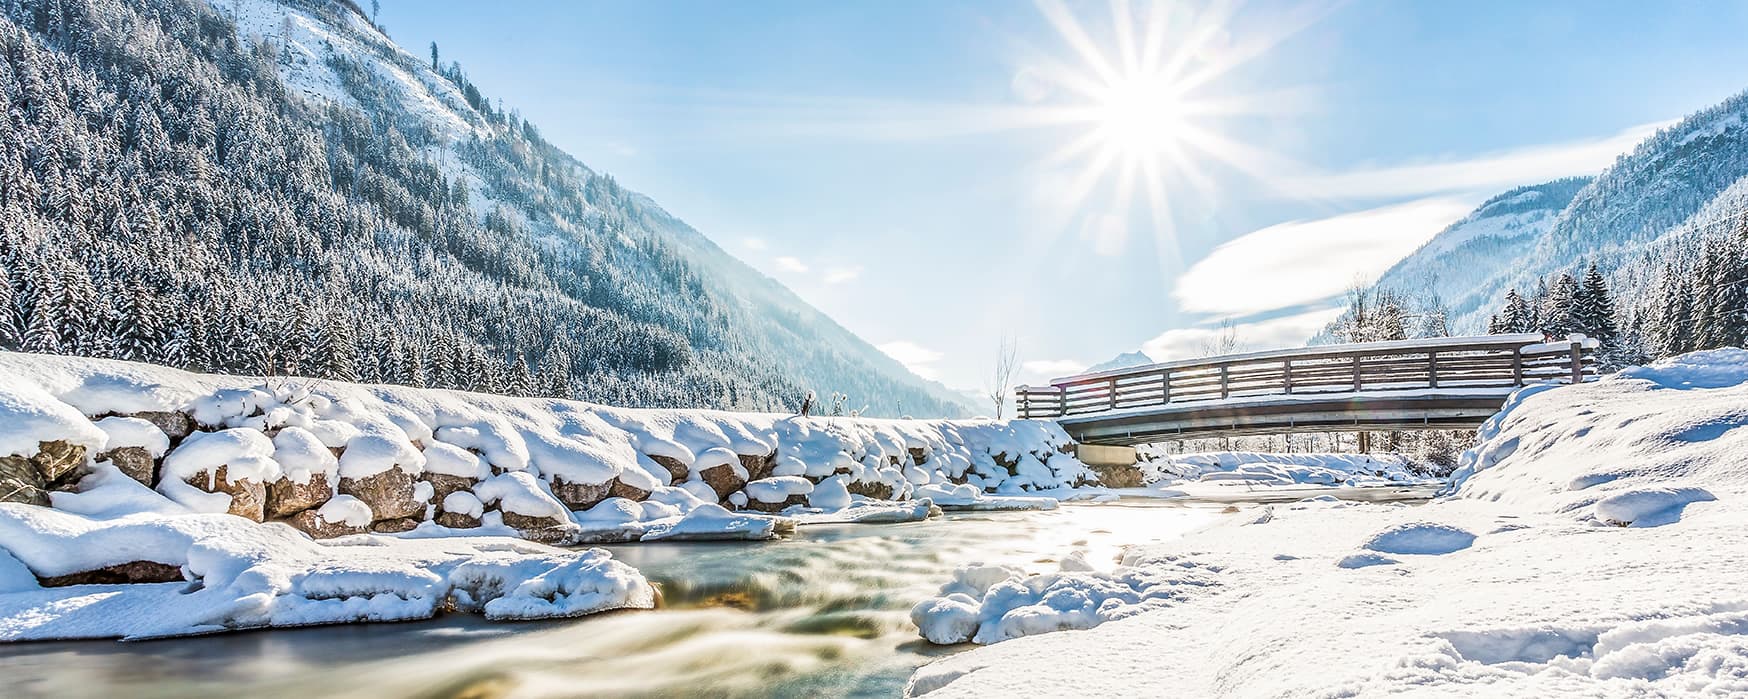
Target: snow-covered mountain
(274, 186)
(1684, 182)
(1121, 361)
(1462, 263)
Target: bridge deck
(1423, 384)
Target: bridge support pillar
(1365, 440)
(1117, 467)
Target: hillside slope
(266, 187)
(1677, 186)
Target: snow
(255, 576)
(516, 449)
(1162, 471)
(133, 432)
(30, 416)
(301, 456)
(370, 454)
(245, 454)
(778, 488)
(345, 509)
(1518, 582)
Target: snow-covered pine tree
(1594, 312)
(1560, 306)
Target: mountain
(265, 187)
(1461, 265)
(1121, 361)
(1683, 183)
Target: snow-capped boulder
(460, 510)
(775, 493)
(223, 471)
(382, 471)
(721, 469)
(176, 425)
(339, 516)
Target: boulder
(457, 520)
(918, 455)
(546, 530)
(21, 482)
(758, 466)
(119, 574)
(1114, 476)
(136, 462)
(442, 484)
(286, 497)
(59, 461)
(618, 489)
(870, 489)
(248, 497)
(679, 472)
(579, 496)
(175, 424)
(389, 494)
(395, 526)
(776, 506)
(723, 479)
(312, 524)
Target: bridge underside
(1282, 415)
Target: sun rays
(1142, 95)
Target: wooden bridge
(1442, 383)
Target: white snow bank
(1162, 470)
(29, 416)
(247, 575)
(1519, 584)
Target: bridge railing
(1491, 361)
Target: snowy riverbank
(291, 501)
(1593, 545)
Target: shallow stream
(824, 613)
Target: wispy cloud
(1285, 331)
(917, 358)
(790, 264)
(1487, 171)
(839, 275)
(1299, 262)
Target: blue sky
(906, 166)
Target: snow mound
(989, 604)
(1420, 538)
(248, 575)
(1634, 448)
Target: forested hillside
(1651, 254)
(268, 187)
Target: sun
(1140, 115)
(1144, 96)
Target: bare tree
(1225, 340)
(1007, 361)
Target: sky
(1086, 178)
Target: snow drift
(1591, 545)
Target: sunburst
(1147, 103)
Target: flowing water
(822, 613)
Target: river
(824, 613)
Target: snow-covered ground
(1592, 545)
(238, 502)
(1250, 470)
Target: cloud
(1274, 333)
(839, 275)
(913, 356)
(753, 243)
(790, 264)
(1052, 368)
(1299, 262)
(1489, 171)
